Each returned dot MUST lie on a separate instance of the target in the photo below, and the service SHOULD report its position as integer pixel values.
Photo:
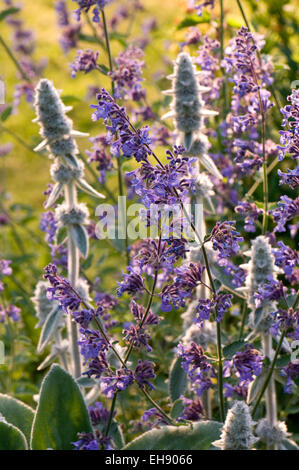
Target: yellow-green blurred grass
(25, 173)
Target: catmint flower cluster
(196, 365)
(285, 210)
(220, 303)
(225, 239)
(86, 5)
(85, 61)
(100, 155)
(130, 142)
(289, 138)
(69, 31)
(237, 432)
(128, 74)
(246, 365)
(24, 45)
(250, 99)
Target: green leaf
(289, 444)
(49, 328)
(85, 382)
(226, 281)
(88, 38)
(80, 238)
(61, 413)
(82, 184)
(117, 435)
(231, 349)
(61, 235)
(17, 413)
(11, 438)
(70, 99)
(121, 38)
(54, 195)
(177, 380)
(7, 12)
(177, 408)
(6, 113)
(199, 436)
(193, 20)
(104, 69)
(233, 22)
(87, 263)
(48, 360)
(255, 386)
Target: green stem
(119, 164)
(107, 41)
(130, 347)
(220, 373)
(270, 393)
(112, 408)
(268, 378)
(243, 14)
(257, 183)
(222, 54)
(155, 404)
(93, 173)
(265, 174)
(244, 315)
(19, 139)
(73, 275)
(15, 61)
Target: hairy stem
(155, 404)
(119, 164)
(268, 378)
(14, 60)
(277, 351)
(130, 347)
(270, 393)
(73, 276)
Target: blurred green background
(25, 174)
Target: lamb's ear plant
(188, 111)
(260, 268)
(237, 431)
(67, 171)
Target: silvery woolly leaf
(41, 146)
(61, 413)
(288, 444)
(70, 160)
(54, 195)
(80, 238)
(188, 139)
(61, 235)
(209, 165)
(82, 184)
(255, 386)
(50, 327)
(11, 438)
(177, 380)
(17, 413)
(48, 360)
(199, 436)
(177, 408)
(78, 133)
